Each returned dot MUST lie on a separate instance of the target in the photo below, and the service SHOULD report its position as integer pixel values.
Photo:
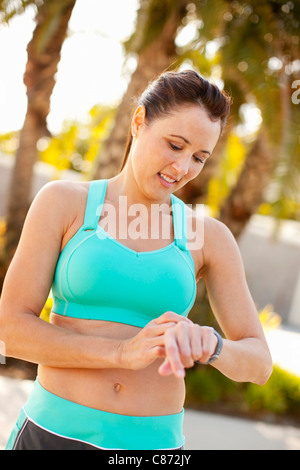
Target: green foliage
(9, 9)
(204, 386)
(151, 19)
(282, 208)
(281, 394)
(75, 147)
(208, 388)
(212, 14)
(226, 176)
(9, 142)
(78, 144)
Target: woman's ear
(138, 120)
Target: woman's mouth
(166, 180)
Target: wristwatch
(218, 350)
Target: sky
(90, 69)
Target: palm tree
(260, 32)
(43, 50)
(154, 43)
(249, 190)
(250, 36)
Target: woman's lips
(166, 180)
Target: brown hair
(173, 89)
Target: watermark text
(296, 94)
(2, 353)
(160, 222)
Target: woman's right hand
(148, 345)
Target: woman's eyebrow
(188, 142)
(181, 137)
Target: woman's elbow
(265, 369)
(8, 333)
(4, 336)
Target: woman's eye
(199, 159)
(177, 149)
(174, 147)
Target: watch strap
(218, 349)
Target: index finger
(173, 354)
(170, 316)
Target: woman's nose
(181, 165)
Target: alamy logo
(136, 222)
(296, 94)
(2, 353)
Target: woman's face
(170, 151)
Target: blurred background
(70, 73)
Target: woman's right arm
(27, 285)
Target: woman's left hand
(186, 343)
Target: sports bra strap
(179, 222)
(95, 200)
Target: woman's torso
(142, 392)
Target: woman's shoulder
(219, 243)
(63, 193)
(206, 233)
(199, 219)
(216, 228)
(60, 206)
(66, 188)
(61, 201)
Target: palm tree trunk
(39, 80)
(249, 191)
(260, 165)
(155, 58)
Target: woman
(112, 359)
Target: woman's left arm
(245, 356)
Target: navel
(117, 387)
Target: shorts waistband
(100, 428)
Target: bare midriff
(129, 392)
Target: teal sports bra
(99, 278)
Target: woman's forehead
(190, 123)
